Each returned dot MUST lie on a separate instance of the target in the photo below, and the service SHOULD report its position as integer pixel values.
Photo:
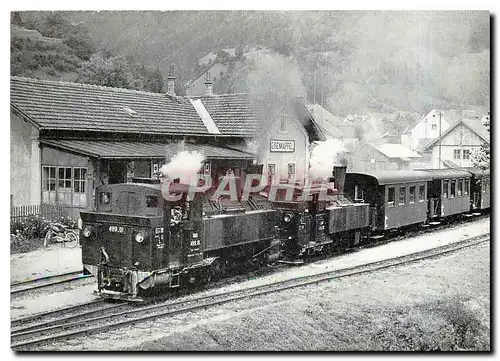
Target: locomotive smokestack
(339, 175)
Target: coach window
(460, 187)
(466, 187)
(402, 195)
(445, 188)
(391, 196)
(104, 198)
(421, 193)
(151, 201)
(453, 188)
(358, 193)
(411, 195)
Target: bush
(69, 222)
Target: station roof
(55, 105)
(397, 176)
(144, 150)
(65, 106)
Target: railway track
(47, 281)
(29, 337)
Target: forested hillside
(353, 61)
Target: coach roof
(397, 176)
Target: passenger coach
(396, 198)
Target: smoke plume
(324, 156)
(184, 165)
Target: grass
(445, 325)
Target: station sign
(286, 146)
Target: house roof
(147, 150)
(391, 150)
(422, 143)
(473, 124)
(74, 106)
(329, 129)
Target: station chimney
(208, 85)
(171, 81)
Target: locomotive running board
(294, 262)
(118, 296)
(434, 223)
(377, 236)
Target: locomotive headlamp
(87, 231)
(139, 237)
(287, 218)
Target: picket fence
(52, 212)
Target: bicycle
(59, 233)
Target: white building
(457, 143)
(428, 128)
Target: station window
(456, 153)
(433, 126)
(453, 188)
(64, 185)
(466, 187)
(466, 154)
(402, 195)
(283, 123)
(411, 194)
(483, 185)
(391, 196)
(291, 169)
(460, 187)
(445, 188)
(421, 193)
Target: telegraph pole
(439, 139)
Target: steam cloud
(184, 165)
(325, 156)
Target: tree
(120, 71)
(153, 80)
(113, 71)
(481, 157)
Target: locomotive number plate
(117, 229)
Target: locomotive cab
(136, 239)
(319, 216)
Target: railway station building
(69, 138)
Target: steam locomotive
(137, 240)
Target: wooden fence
(52, 212)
